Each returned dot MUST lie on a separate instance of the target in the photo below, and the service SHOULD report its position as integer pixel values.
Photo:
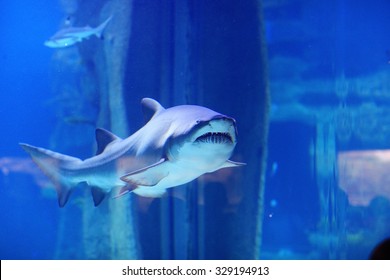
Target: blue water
(27, 225)
(208, 54)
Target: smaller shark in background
(72, 35)
(174, 147)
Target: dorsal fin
(150, 107)
(103, 138)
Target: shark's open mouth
(215, 137)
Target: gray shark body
(175, 146)
(72, 35)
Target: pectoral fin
(125, 190)
(230, 163)
(148, 176)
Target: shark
(175, 146)
(72, 35)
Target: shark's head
(204, 138)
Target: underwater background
(308, 83)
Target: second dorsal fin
(103, 139)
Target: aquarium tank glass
(194, 129)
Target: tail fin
(99, 30)
(53, 165)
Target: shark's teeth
(215, 137)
